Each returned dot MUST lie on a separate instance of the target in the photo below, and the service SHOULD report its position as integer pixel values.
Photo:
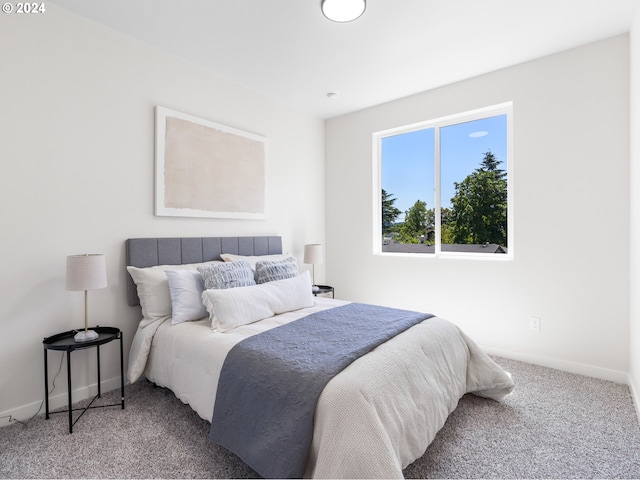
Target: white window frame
(437, 124)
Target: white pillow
(234, 307)
(153, 289)
(185, 289)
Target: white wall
(635, 208)
(77, 153)
(571, 266)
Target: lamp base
(85, 336)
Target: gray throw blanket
(270, 383)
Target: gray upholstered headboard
(149, 252)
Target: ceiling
(288, 51)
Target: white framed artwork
(205, 169)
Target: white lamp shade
(313, 253)
(86, 272)
(343, 10)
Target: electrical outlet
(534, 324)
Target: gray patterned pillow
(227, 275)
(271, 270)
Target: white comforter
(372, 420)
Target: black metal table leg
(46, 385)
(121, 371)
(99, 383)
(69, 389)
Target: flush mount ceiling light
(343, 10)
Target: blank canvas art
(205, 169)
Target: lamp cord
(53, 387)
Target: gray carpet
(555, 425)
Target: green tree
(446, 225)
(415, 223)
(389, 212)
(480, 205)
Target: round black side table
(65, 342)
(324, 291)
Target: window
(443, 186)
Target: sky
(408, 159)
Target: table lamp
(313, 255)
(86, 272)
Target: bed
(371, 420)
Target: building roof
(396, 247)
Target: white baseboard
(57, 400)
(564, 365)
(635, 393)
